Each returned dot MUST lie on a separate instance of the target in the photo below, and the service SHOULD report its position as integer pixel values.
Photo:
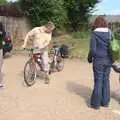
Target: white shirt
(40, 38)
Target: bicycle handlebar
(24, 49)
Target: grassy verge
(78, 43)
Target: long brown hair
(100, 22)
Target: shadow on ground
(80, 90)
(116, 96)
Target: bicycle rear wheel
(29, 73)
(60, 63)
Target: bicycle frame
(35, 56)
(56, 53)
(32, 63)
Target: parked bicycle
(34, 64)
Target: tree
(40, 11)
(79, 11)
(71, 12)
(3, 1)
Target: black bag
(64, 51)
(89, 58)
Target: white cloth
(39, 36)
(1, 63)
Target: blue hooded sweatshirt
(99, 43)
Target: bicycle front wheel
(29, 73)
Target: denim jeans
(101, 91)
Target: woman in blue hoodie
(102, 63)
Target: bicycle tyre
(30, 79)
(60, 64)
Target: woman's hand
(89, 58)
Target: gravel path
(65, 98)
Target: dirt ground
(67, 96)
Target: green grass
(78, 43)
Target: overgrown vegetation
(78, 43)
(41, 11)
(73, 13)
(78, 12)
(3, 1)
(116, 30)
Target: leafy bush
(62, 12)
(40, 11)
(78, 12)
(117, 33)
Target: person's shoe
(1, 86)
(95, 107)
(105, 105)
(50, 72)
(47, 79)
